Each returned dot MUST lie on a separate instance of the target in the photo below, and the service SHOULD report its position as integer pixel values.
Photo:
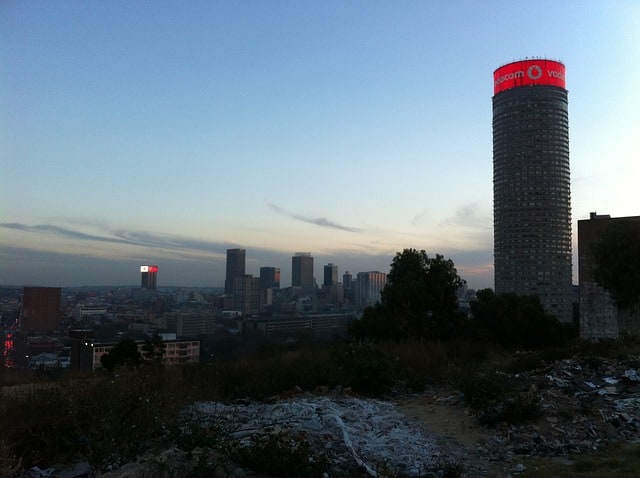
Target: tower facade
(236, 264)
(531, 184)
(302, 272)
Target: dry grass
(618, 462)
(120, 415)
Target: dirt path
(440, 414)
(440, 417)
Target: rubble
(355, 433)
(584, 408)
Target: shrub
(365, 368)
(525, 363)
(9, 464)
(495, 400)
(513, 410)
(482, 391)
(280, 455)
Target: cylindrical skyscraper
(531, 184)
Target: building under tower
(531, 184)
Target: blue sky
(165, 132)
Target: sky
(165, 132)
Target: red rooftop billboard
(528, 72)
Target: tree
(419, 299)
(516, 320)
(616, 259)
(124, 353)
(153, 350)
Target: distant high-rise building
(347, 278)
(600, 318)
(531, 184)
(247, 294)
(269, 280)
(330, 275)
(270, 277)
(369, 286)
(40, 309)
(81, 353)
(302, 272)
(148, 277)
(347, 286)
(236, 263)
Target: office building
(148, 277)
(175, 351)
(347, 278)
(236, 263)
(600, 318)
(369, 285)
(270, 277)
(302, 272)
(40, 310)
(81, 353)
(531, 184)
(320, 326)
(247, 298)
(347, 287)
(269, 282)
(330, 275)
(191, 325)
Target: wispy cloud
(317, 221)
(123, 237)
(63, 232)
(467, 216)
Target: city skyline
(159, 133)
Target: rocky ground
(585, 404)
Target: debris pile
(586, 403)
(352, 433)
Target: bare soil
(445, 419)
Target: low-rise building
(312, 325)
(176, 352)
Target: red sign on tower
(527, 73)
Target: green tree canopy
(516, 320)
(124, 353)
(154, 350)
(616, 259)
(419, 299)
